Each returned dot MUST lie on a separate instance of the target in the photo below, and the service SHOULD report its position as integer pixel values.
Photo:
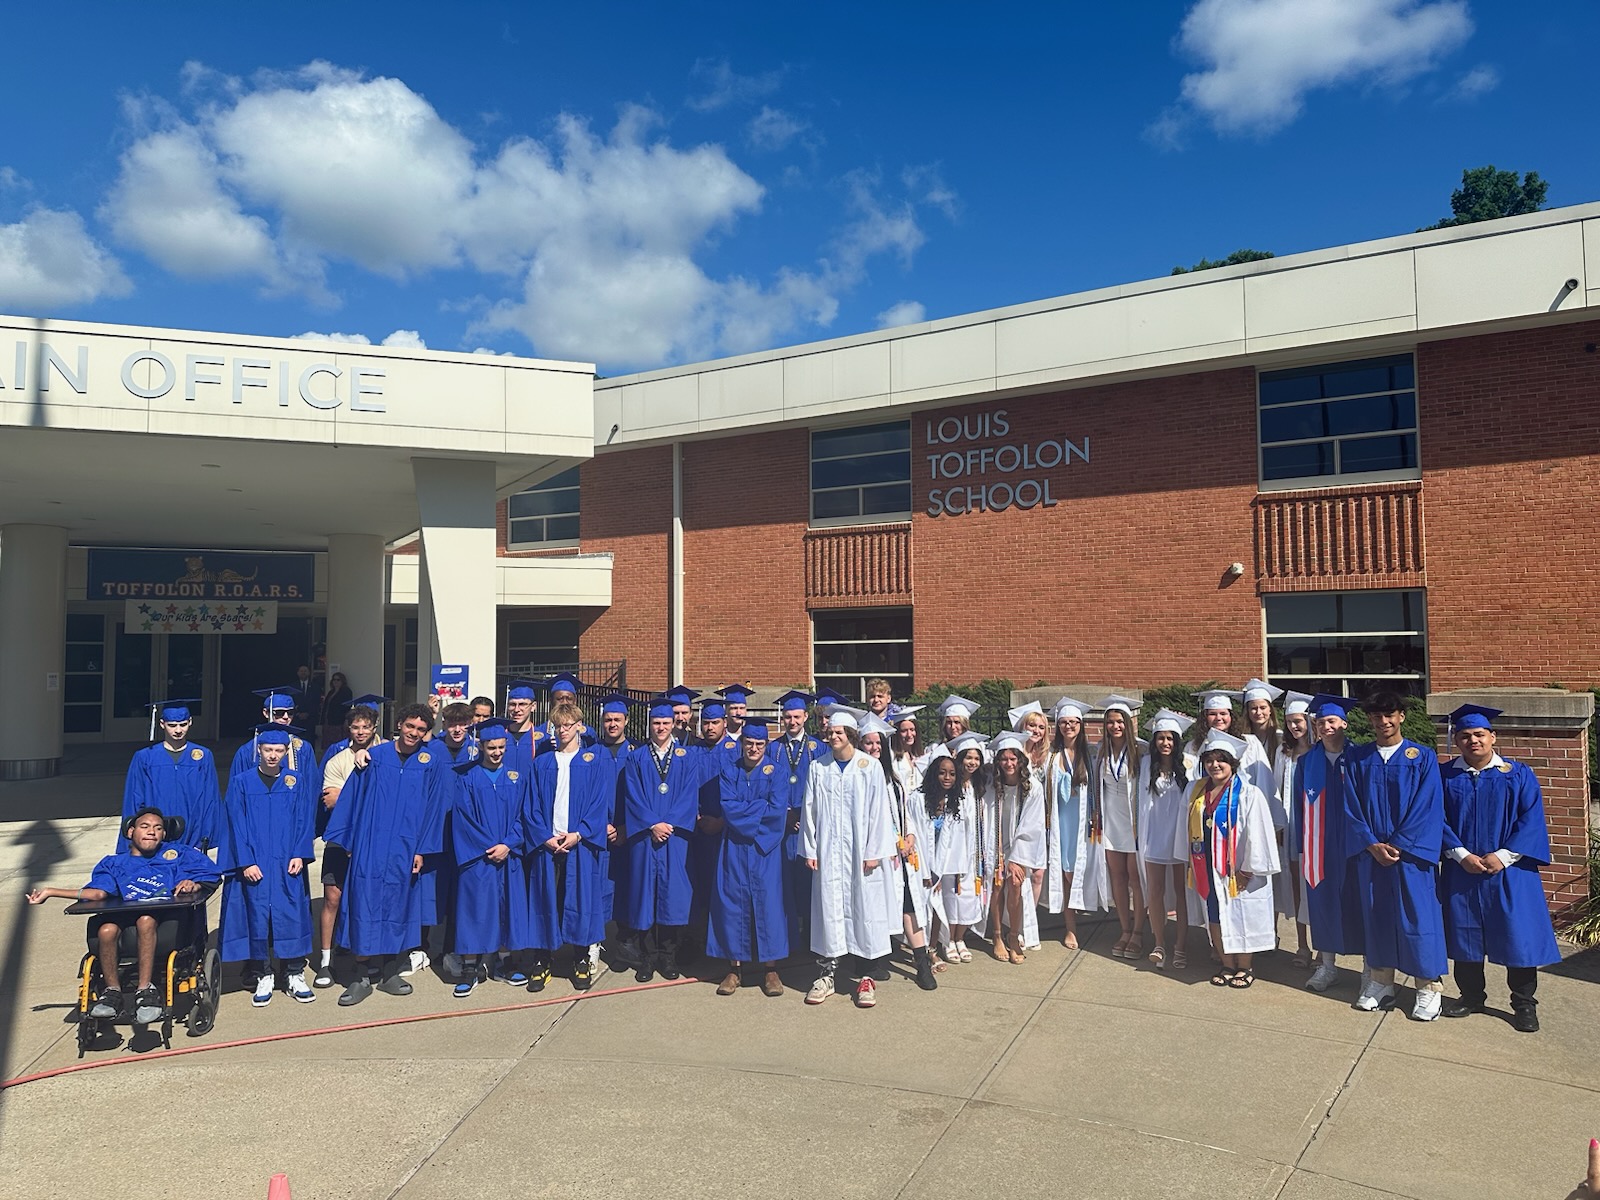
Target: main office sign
(117, 574)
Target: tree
(1486, 194)
(1238, 256)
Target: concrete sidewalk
(1074, 1074)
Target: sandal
(1159, 957)
(1301, 959)
(949, 952)
(1180, 960)
(961, 949)
(1222, 979)
(998, 951)
(1241, 979)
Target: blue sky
(643, 184)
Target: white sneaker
(265, 986)
(820, 990)
(1323, 978)
(1427, 1006)
(419, 962)
(1375, 996)
(299, 989)
(453, 966)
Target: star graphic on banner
(238, 626)
(257, 625)
(218, 622)
(144, 608)
(172, 608)
(260, 612)
(194, 626)
(244, 610)
(166, 627)
(204, 610)
(145, 626)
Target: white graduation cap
(1008, 739)
(1217, 740)
(1216, 700)
(872, 723)
(1167, 721)
(1122, 704)
(844, 718)
(963, 742)
(1296, 702)
(1260, 689)
(1016, 714)
(1067, 707)
(904, 712)
(958, 706)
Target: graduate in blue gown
(565, 834)
(266, 846)
(612, 747)
(524, 739)
(486, 842)
(1395, 809)
(175, 776)
(714, 749)
(277, 708)
(748, 919)
(1318, 833)
(561, 686)
(661, 790)
(1495, 841)
(389, 816)
(735, 704)
(792, 753)
(454, 748)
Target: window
(861, 474)
(538, 647)
(85, 674)
(849, 648)
(1352, 420)
(1347, 642)
(546, 514)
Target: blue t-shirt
(132, 877)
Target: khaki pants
(1385, 976)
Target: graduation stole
(903, 813)
(1314, 829)
(1224, 838)
(1093, 824)
(978, 865)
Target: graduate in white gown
(911, 842)
(1261, 722)
(1113, 819)
(1233, 855)
(955, 718)
(1163, 795)
(963, 890)
(1012, 845)
(939, 799)
(847, 840)
(1296, 741)
(1076, 875)
(908, 754)
(1030, 721)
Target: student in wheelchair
(151, 869)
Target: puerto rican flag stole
(1314, 813)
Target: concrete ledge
(18, 769)
(1522, 708)
(1089, 694)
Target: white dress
(1115, 781)
(1070, 849)
(844, 823)
(911, 818)
(958, 865)
(926, 872)
(1248, 921)
(1159, 815)
(1257, 767)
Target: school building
(1369, 463)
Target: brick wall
(1510, 430)
(1124, 578)
(1560, 758)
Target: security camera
(1571, 285)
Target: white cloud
(1479, 81)
(1261, 57)
(48, 261)
(408, 339)
(773, 129)
(724, 86)
(594, 239)
(907, 312)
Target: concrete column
(33, 632)
(1548, 729)
(355, 608)
(427, 642)
(456, 501)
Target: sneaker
(394, 986)
(820, 990)
(358, 991)
(454, 965)
(1426, 1007)
(538, 977)
(298, 989)
(582, 971)
(471, 977)
(1323, 978)
(265, 986)
(147, 1008)
(324, 976)
(419, 962)
(866, 993)
(109, 1006)
(515, 976)
(1375, 996)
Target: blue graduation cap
(661, 706)
(489, 728)
(562, 681)
(170, 710)
(272, 734)
(679, 694)
(520, 689)
(735, 693)
(370, 700)
(756, 730)
(1325, 704)
(616, 702)
(794, 699)
(275, 698)
(826, 698)
(713, 709)
(1474, 716)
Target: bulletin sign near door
(202, 578)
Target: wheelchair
(186, 973)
